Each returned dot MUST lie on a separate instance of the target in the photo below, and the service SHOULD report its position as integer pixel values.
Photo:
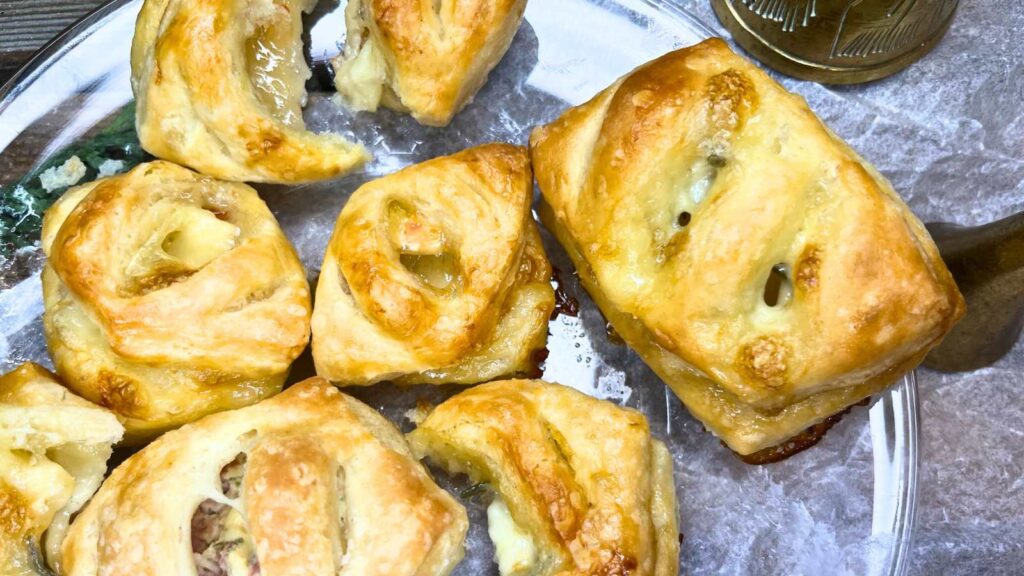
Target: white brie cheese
(513, 549)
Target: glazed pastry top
(695, 183)
(428, 57)
(54, 448)
(136, 249)
(220, 86)
(170, 295)
(308, 482)
(582, 488)
(434, 266)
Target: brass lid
(837, 41)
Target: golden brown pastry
(220, 85)
(763, 269)
(427, 57)
(54, 448)
(170, 295)
(435, 274)
(308, 482)
(581, 487)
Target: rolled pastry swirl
(220, 85)
(54, 448)
(308, 482)
(763, 269)
(581, 486)
(427, 57)
(435, 274)
(170, 295)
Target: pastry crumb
(419, 413)
(67, 174)
(109, 167)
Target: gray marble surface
(949, 133)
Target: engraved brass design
(837, 41)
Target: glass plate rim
(894, 417)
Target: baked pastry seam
(220, 86)
(767, 273)
(435, 274)
(580, 486)
(169, 295)
(425, 57)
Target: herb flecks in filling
(221, 545)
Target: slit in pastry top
(308, 482)
(579, 485)
(767, 273)
(435, 274)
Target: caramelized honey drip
(613, 336)
(564, 302)
(800, 442)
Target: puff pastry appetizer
(170, 295)
(54, 448)
(435, 274)
(581, 487)
(308, 482)
(427, 57)
(763, 269)
(220, 85)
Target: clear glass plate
(844, 506)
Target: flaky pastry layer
(758, 264)
(54, 448)
(219, 86)
(426, 57)
(170, 295)
(328, 486)
(435, 274)
(582, 478)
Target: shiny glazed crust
(435, 274)
(170, 295)
(679, 188)
(427, 57)
(330, 487)
(54, 448)
(581, 476)
(219, 86)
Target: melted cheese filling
(221, 544)
(361, 72)
(513, 548)
(240, 560)
(198, 238)
(274, 60)
(184, 239)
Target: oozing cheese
(360, 73)
(513, 549)
(198, 237)
(239, 559)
